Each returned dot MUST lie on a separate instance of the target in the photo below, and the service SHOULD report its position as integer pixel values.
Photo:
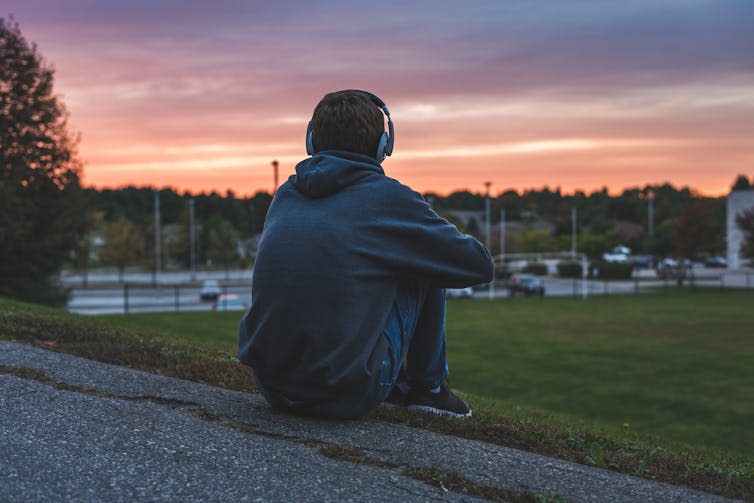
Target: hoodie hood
(331, 171)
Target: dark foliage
(537, 268)
(570, 269)
(611, 270)
(745, 221)
(697, 230)
(741, 183)
(41, 201)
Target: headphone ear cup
(381, 148)
(391, 135)
(309, 139)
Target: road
(143, 299)
(106, 295)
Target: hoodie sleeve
(409, 238)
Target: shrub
(537, 268)
(611, 270)
(569, 269)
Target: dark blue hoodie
(338, 238)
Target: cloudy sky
(575, 94)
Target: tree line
(686, 223)
(122, 228)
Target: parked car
(525, 284)
(716, 262)
(615, 258)
(228, 302)
(459, 293)
(646, 261)
(210, 290)
(670, 268)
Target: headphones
(385, 146)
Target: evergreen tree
(745, 221)
(41, 201)
(741, 183)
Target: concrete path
(74, 429)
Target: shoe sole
(439, 412)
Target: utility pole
(487, 214)
(275, 176)
(573, 231)
(502, 233)
(157, 235)
(192, 240)
(488, 228)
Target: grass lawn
(676, 367)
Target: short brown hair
(347, 120)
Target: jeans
(415, 333)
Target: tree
(741, 183)
(745, 222)
(697, 231)
(595, 245)
(540, 241)
(123, 244)
(661, 243)
(222, 240)
(41, 200)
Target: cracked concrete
(108, 432)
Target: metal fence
(145, 297)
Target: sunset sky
(576, 94)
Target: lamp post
(487, 229)
(275, 176)
(573, 231)
(192, 240)
(487, 214)
(649, 195)
(157, 239)
(502, 233)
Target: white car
(615, 258)
(210, 290)
(459, 293)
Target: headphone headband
(387, 140)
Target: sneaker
(444, 402)
(396, 398)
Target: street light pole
(275, 176)
(573, 231)
(157, 239)
(192, 239)
(502, 233)
(487, 214)
(488, 228)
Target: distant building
(738, 201)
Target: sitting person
(350, 275)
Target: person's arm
(409, 238)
